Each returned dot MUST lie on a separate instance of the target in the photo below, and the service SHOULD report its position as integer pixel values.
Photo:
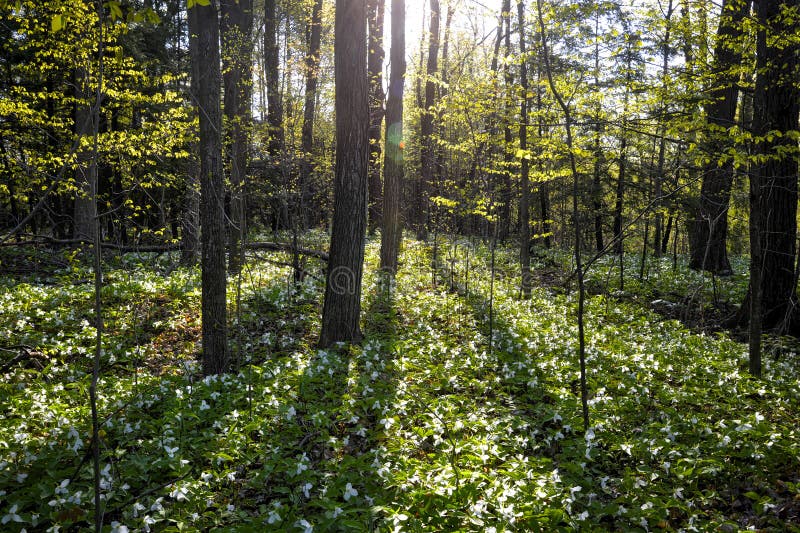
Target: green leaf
(57, 23)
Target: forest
(399, 265)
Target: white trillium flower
(349, 492)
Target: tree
(524, 215)
(428, 152)
(375, 14)
(236, 32)
(206, 82)
(342, 306)
(314, 40)
(709, 232)
(774, 172)
(393, 162)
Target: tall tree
(658, 178)
(393, 162)
(774, 173)
(342, 307)
(85, 210)
(237, 45)
(428, 152)
(709, 232)
(524, 202)
(375, 15)
(314, 38)
(206, 82)
(271, 64)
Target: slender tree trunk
(507, 190)
(440, 116)
(428, 152)
(271, 67)
(86, 174)
(391, 233)
(576, 218)
(524, 202)
(307, 189)
(342, 307)
(599, 157)
(190, 219)
(709, 230)
(206, 81)
(276, 143)
(658, 180)
(544, 187)
(376, 54)
(236, 32)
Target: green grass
(428, 426)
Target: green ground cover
(431, 425)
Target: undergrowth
(436, 423)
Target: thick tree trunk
(524, 201)
(236, 29)
(774, 175)
(307, 190)
(342, 307)
(709, 230)
(391, 233)
(206, 81)
(375, 15)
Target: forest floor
(442, 420)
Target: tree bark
(271, 66)
(658, 180)
(428, 152)
(236, 31)
(206, 81)
(524, 202)
(375, 16)
(709, 230)
(774, 174)
(393, 164)
(342, 307)
(307, 189)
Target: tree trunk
(85, 209)
(393, 166)
(774, 173)
(307, 189)
(428, 152)
(524, 202)
(599, 157)
(709, 230)
(342, 307)
(236, 32)
(376, 54)
(271, 67)
(658, 180)
(507, 190)
(206, 81)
